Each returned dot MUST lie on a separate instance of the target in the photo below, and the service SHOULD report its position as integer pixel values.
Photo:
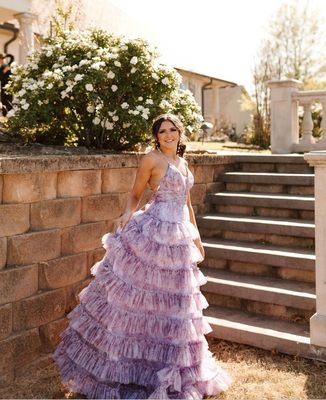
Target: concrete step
(262, 188)
(286, 227)
(261, 294)
(268, 178)
(262, 200)
(274, 167)
(270, 158)
(258, 253)
(262, 332)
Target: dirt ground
(257, 375)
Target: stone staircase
(259, 244)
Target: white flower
(155, 76)
(89, 87)
(114, 88)
(34, 66)
(25, 106)
(124, 47)
(133, 70)
(124, 105)
(49, 53)
(149, 101)
(50, 86)
(140, 98)
(110, 75)
(79, 77)
(117, 63)
(41, 83)
(134, 60)
(39, 102)
(83, 62)
(96, 121)
(109, 125)
(63, 94)
(11, 113)
(99, 106)
(115, 118)
(61, 58)
(165, 81)
(21, 92)
(125, 125)
(98, 65)
(90, 109)
(145, 116)
(46, 101)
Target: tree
(293, 48)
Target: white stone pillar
(26, 34)
(284, 115)
(317, 159)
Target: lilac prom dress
(138, 330)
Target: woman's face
(168, 135)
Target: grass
(257, 375)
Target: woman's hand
(200, 246)
(124, 218)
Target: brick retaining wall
(53, 212)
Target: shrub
(97, 90)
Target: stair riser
(282, 312)
(275, 168)
(269, 238)
(261, 188)
(264, 341)
(269, 180)
(263, 211)
(255, 269)
(260, 258)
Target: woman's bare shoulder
(149, 160)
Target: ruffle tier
(167, 327)
(131, 297)
(97, 374)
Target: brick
(296, 274)
(38, 309)
(5, 321)
(276, 212)
(14, 219)
(50, 334)
(27, 188)
(198, 193)
(18, 283)
(244, 236)
(93, 257)
(257, 167)
(236, 187)
(63, 271)
(33, 368)
(56, 213)
(3, 252)
(229, 209)
(6, 362)
(83, 237)
(217, 263)
(266, 188)
(304, 190)
(26, 347)
(34, 247)
(79, 183)
(72, 293)
(305, 214)
(102, 207)
(204, 173)
(249, 268)
(118, 179)
(291, 241)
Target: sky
(219, 38)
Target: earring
(157, 144)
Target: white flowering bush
(97, 90)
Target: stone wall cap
(51, 163)
(284, 83)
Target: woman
(138, 332)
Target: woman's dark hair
(157, 122)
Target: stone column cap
(317, 157)
(284, 83)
